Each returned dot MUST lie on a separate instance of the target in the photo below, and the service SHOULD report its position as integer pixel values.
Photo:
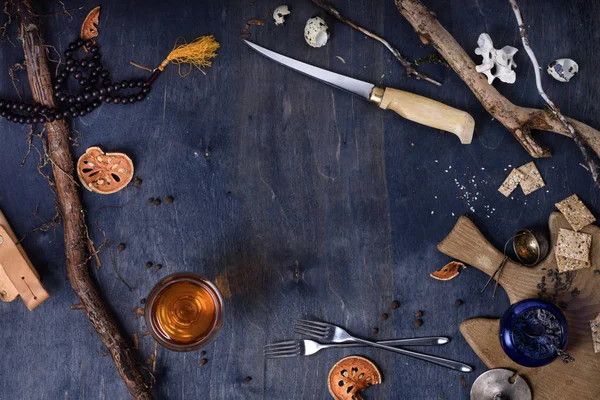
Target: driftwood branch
(408, 66)
(555, 110)
(75, 230)
(520, 121)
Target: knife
(411, 106)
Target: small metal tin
(530, 246)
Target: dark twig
(408, 66)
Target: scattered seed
(137, 182)
(151, 200)
(158, 266)
(419, 314)
(143, 301)
(384, 316)
(77, 306)
(458, 302)
(149, 264)
(248, 378)
(245, 36)
(150, 361)
(138, 311)
(169, 200)
(463, 381)
(395, 305)
(121, 247)
(136, 342)
(203, 361)
(256, 21)
(145, 333)
(374, 330)
(419, 323)
(202, 353)
(156, 202)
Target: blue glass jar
(532, 332)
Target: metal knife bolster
(376, 95)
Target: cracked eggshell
(316, 32)
(563, 69)
(280, 13)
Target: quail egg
(316, 32)
(563, 69)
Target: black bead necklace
(97, 88)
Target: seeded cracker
(595, 326)
(511, 182)
(532, 180)
(576, 213)
(573, 250)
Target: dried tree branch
(520, 121)
(75, 229)
(408, 66)
(555, 110)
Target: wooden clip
(18, 277)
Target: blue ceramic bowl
(531, 332)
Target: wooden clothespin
(18, 277)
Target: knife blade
(411, 106)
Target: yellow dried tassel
(197, 54)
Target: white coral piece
(280, 13)
(497, 63)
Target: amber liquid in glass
(184, 312)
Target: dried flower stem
(553, 108)
(408, 66)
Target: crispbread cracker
(575, 245)
(511, 182)
(565, 264)
(595, 326)
(532, 180)
(576, 213)
(573, 250)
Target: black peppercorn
(83, 81)
(169, 200)
(418, 323)
(419, 314)
(139, 97)
(68, 53)
(395, 305)
(132, 99)
(94, 50)
(458, 302)
(66, 114)
(121, 247)
(149, 264)
(124, 100)
(79, 43)
(28, 121)
(88, 43)
(108, 99)
(374, 331)
(384, 316)
(57, 86)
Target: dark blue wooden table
(297, 199)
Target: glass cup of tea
(184, 312)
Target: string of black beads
(97, 86)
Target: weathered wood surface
(521, 283)
(300, 200)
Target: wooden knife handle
(426, 111)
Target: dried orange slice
(104, 173)
(351, 375)
(448, 271)
(89, 28)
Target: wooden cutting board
(577, 380)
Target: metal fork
(307, 347)
(335, 334)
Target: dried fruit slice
(104, 173)
(351, 375)
(89, 28)
(448, 271)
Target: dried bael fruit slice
(89, 28)
(448, 271)
(104, 173)
(351, 375)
